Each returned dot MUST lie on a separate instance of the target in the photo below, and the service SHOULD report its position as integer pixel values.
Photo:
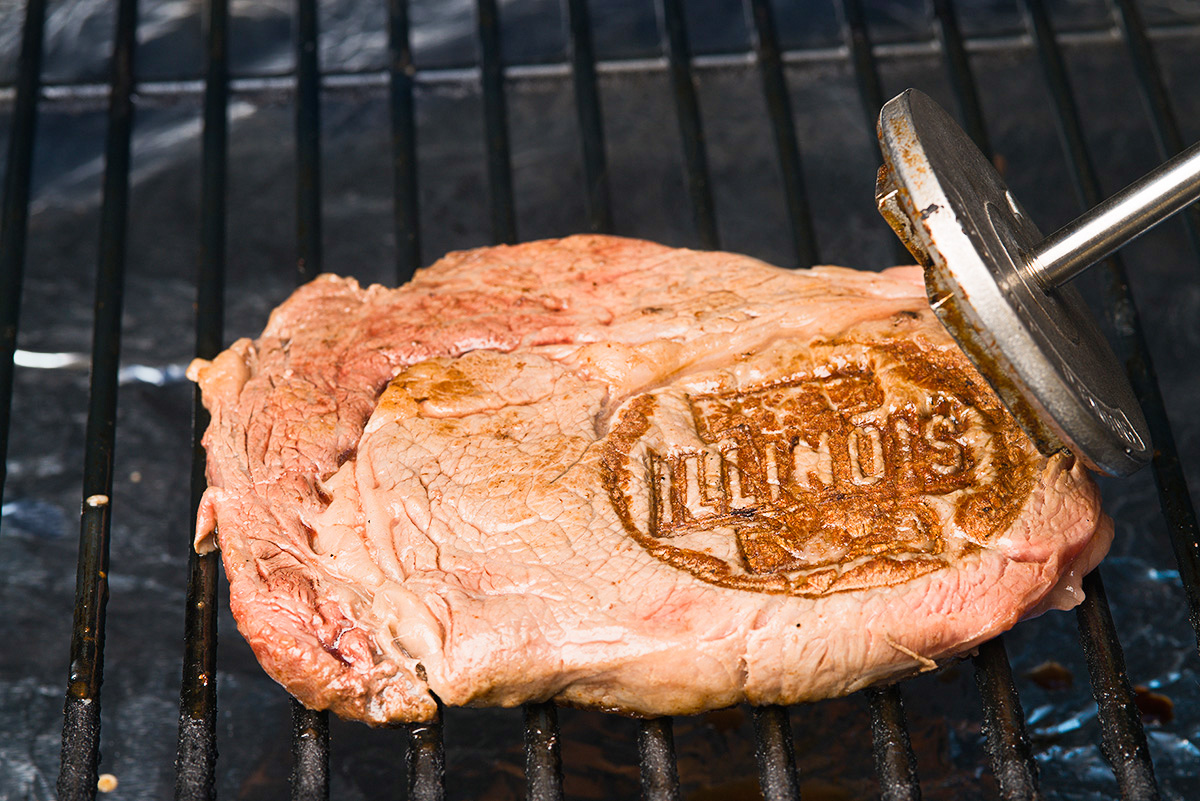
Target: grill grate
(1124, 739)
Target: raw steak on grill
(622, 476)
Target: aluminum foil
(151, 526)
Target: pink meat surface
(624, 476)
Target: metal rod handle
(1123, 217)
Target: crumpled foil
(151, 529)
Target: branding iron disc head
(1040, 350)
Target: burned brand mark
(830, 480)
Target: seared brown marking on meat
(825, 480)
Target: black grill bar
(779, 107)
(687, 109)
(495, 119)
(14, 217)
(404, 142)
(1122, 738)
(543, 762)
(1004, 724)
(310, 753)
(1154, 91)
(894, 760)
(1173, 494)
(543, 766)
(310, 728)
(195, 762)
(308, 143)
(656, 748)
(1008, 746)
(591, 126)
(772, 727)
(776, 757)
(862, 57)
(870, 90)
(81, 727)
(962, 80)
(426, 761)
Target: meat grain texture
(622, 476)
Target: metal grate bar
(1008, 745)
(870, 90)
(779, 107)
(15, 215)
(1123, 739)
(426, 761)
(495, 116)
(656, 746)
(543, 763)
(591, 127)
(404, 142)
(687, 109)
(958, 67)
(310, 729)
(1154, 91)
(310, 753)
(81, 727)
(1173, 494)
(1004, 724)
(866, 72)
(894, 760)
(776, 758)
(543, 766)
(195, 762)
(308, 143)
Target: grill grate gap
(687, 109)
(81, 729)
(779, 107)
(591, 125)
(14, 217)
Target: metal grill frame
(1124, 740)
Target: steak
(622, 476)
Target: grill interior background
(748, 128)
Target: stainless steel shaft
(1126, 215)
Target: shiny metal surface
(1123, 217)
(1040, 350)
